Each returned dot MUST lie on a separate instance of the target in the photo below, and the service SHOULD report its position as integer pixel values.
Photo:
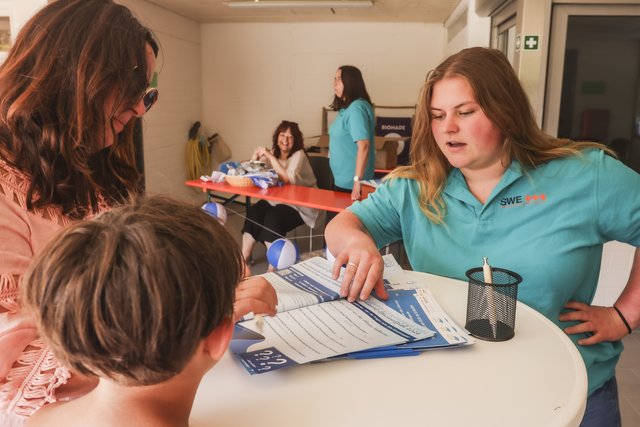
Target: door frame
(558, 40)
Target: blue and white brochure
(313, 323)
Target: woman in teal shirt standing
(486, 181)
(351, 135)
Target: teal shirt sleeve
(379, 215)
(617, 200)
(359, 121)
(354, 123)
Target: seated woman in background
(267, 221)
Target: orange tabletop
(298, 195)
(382, 171)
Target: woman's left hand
(254, 294)
(356, 192)
(603, 323)
(260, 154)
(264, 152)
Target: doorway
(593, 86)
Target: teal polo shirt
(354, 123)
(547, 224)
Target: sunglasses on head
(150, 97)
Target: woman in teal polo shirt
(485, 181)
(351, 135)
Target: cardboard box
(386, 150)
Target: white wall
(617, 259)
(180, 103)
(19, 13)
(255, 75)
(475, 32)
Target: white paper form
(427, 312)
(310, 282)
(390, 265)
(431, 315)
(304, 284)
(320, 331)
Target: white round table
(535, 379)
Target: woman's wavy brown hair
(500, 95)
(354, 88)
(65, 62)
(298, 138)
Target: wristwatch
(356, 178)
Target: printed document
(314, 323)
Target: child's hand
(254, 294)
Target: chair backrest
(322, 171)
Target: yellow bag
(197, 158)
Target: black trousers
(264, 218)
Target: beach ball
(329, 256)
(216, 210)
(282, 253)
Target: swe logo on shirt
(528, 199)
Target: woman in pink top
(71, 88)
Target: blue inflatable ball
(216, 210)
(282, 253)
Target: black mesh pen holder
(491, 307)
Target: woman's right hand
(260, 152)
(356, 250)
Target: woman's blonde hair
(500, 95)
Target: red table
(298, 195)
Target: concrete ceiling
(210, 11)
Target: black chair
(322, 171)
(324, 181)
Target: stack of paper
(420, 306)
(313, 323)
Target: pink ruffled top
(29, 373)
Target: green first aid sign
(530, 42)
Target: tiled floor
(628, 371)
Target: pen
(488, 279)
(369, 354)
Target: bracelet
(623, 319)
